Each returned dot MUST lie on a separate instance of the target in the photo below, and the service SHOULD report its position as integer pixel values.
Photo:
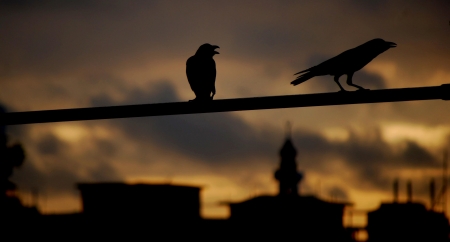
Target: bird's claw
(363, 89)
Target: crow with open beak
(201, 72)
(346, 63)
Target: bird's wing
(201, 74)
(327, 67)
(210, 71)
(193, 70)
(351, 60)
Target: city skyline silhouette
(124, 205)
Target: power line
(227, 105)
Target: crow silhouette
(201, 72)
(346, 63)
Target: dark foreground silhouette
(346, 63)
(201, 72)
(172, 212)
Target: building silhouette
(13, 214)
(148, 201)
(169, 212)
(288, 213)
(407, 221)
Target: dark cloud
(160, 92)
(209, 137)
(101, 173)
(218, 139)
(264, 41)
(49, 47)
(17, 3)
(65, 36)
(373, 159)
(369, 80)
(225, 138)
(50, 145)
(52, 167)
(371, 6)
(338, 193)
(57, 179)
(56, 170)
(57, 5)
(417, 156)
(107, 148)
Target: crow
(346, 63)
(201, 72)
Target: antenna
(442, 196)
(395, 190)
(318, 189)
(288, 129)
(444, 184)
(409, 191)
(432, 194)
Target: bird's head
(381, 45)
(207, 50)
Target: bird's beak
(392, 44)
(215, 47)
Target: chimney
(409, 191)
(432, 193)
(395, 185)
(444, 184)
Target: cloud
(75, 35)
(57, 180)
(50, 145)
(65, 54)
(208, 137)
(338, 193)
(373, 160)
(224, 138)
(54, 166)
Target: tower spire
(288, 129)
(287, 174)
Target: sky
(72, 54)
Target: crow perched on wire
(346, 63)
(201, 72)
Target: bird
(346, 63)
(201, 72)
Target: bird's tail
(302, 78)
(303, 71)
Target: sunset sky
(79, 53)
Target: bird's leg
(336, 79)
(213, 92)
(350, 83)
